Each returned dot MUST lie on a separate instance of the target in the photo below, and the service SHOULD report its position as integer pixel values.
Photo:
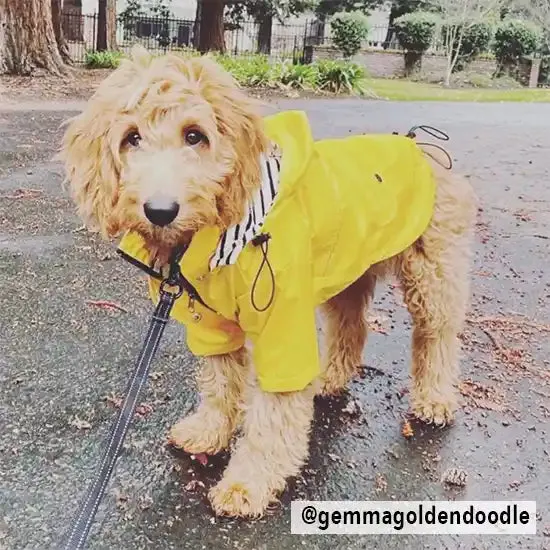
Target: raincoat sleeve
(284, 337)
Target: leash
(435, 133)
(76, 536)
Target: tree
(415, 32)
(211, 26)
(27, 38)
(327, 8)
(458, 17)
(538, 11)
(403, 7)
(515, 39)
(349, 29)
(58, 31)
(264, 12)
(106, 25)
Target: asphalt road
(64, 362)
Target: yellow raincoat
(342, 205)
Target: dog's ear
(238, 119)
(140, 56)
(91, 169)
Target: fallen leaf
(24, 194)
(407, 430)
(105, 304)
(380, 483)
(193, 484)
(455, 476)
(144, 409)
(80, 424)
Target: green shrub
(254, 71)
(340, 77)
(476, 39)
(415, 32)
(349, 29)
(301, 77)
(102, 60)
(514, 40)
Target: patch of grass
(103, 60)
(406, 90)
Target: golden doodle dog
(268, 225)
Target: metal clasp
(195, 315)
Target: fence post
(94, 35)
(534, 72)
(304, 58)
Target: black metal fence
(167, 34)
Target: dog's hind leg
(209, 429)
(435, 279)
(346, 332)
(273, 446)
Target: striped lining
(235, 238)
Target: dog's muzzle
(160, 212)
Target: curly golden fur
(202, 137)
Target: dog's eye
(194, 137)
(132, 139)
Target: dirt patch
(78, 84)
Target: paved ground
(63, 362)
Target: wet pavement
(64, 361)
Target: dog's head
(165, 146)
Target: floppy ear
(238, 119)
(91, 169)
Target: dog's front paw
(231, 497)
(202, 433)
(335, 381)
(434, 412)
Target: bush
(349, 29)
(476, 40)
(102, 60)
(340, 76)
(301, 77)
(253, 72)
(514, 40)
(415, 32)
(257, 71)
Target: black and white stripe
(236, 237)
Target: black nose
(161, 214)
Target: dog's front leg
(220, 380)
(273, 447)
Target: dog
(172, 154)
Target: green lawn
(406, 90)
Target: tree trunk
(211, 26)
(58, 31)
(106, 25)
(27, 38)
(413, 63)
(197, 25)
(390, 32)
(264, 34)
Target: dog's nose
(161, 213)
